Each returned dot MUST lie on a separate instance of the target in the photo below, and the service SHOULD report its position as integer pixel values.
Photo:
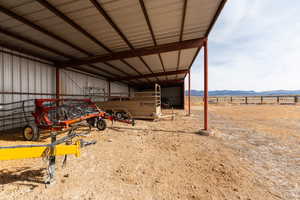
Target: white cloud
(255, 45)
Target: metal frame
(187, 44)
(75, 63)
(151, 75)
(116, 28)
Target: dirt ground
(253, 153)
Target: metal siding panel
(129, 17)
(170, 60)
(137, 64)
(108, 68)
(165, 17)
(154, 63)
(186, 58)
(87, 16)
(199, 15)
(118, 88)
(123, 66)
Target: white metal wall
(23, 74)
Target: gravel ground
(169, 160)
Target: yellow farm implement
(49, 151)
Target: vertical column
(128, 91)
(109, 90)
(205, 86)
(57, 82)
(189, 100)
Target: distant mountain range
(244, 92)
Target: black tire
(31, 133)
(119, 115)
(101, 124)
(92, 121)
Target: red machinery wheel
(31, 132)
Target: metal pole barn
(205, 86)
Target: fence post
(246, 100)
(296, 99)
(231, 99)
(278, 99)
(261, 99)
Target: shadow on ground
(28, 177)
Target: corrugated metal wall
(20, 77)
(23, 78)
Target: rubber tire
(92, 121)
(119, 115)
(35, 134)
(101, 124)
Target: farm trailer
(144, 105)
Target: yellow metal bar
(36, 152)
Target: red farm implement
(61, 114)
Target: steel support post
(57, 79)
(109, 90)
(189, 100)
(205, 86)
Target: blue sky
(255, 45)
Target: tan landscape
(252, 153)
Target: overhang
(134, 41)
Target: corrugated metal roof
(127, 29)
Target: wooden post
(205, 86)
(296, 99)
(246, 100)
(278, 99)
(189, 100)
(261, 100)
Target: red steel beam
(27, 52)
(151, 75)
(40, 29)
(117, 29)
(181, 31)
(144, 9)
(68, 20)
(50, 34)
(205, 86)
(57, 81)
(61, 15)
(32, 42)
(189, 93)
(220, 8)
(42, 46)
(187, 44)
